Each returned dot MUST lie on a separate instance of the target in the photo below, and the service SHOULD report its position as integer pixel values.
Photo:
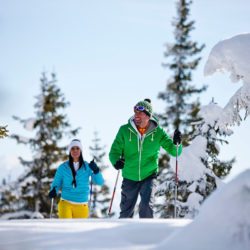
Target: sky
(107, 55)
(213, 228)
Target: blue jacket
(63, 181)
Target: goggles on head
(139, 108)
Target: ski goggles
(139, 108)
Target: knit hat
(144, 106)
(75, 143)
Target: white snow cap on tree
(190, 165)
(233, 55)
(214, 116)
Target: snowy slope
(223, 224)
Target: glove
(177, 137)
(120, 164)
(52, 193)
(94, 167)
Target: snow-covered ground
(223, 224)
(86, 234)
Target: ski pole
(91, 193)
(90, 198)
(113, 195)
(51, 208)
(176, 179)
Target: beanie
(75, 143)
(144, 106)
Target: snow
(22, 214)
(23, 139)
(223, 224)
(233, 55)
(29, 124)
(214, 116)
(190, 166)
(85, 234)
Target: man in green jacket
(135, 150)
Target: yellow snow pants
(67, 210)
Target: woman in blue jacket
(72, 178)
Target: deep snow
(223, 224)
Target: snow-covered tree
(50, 126)
(100, 196)
(3, 131)
(213, 129)
(201, 171)
(199, 168)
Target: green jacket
(141, 152)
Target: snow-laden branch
(233, 55)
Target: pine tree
(100, 195)
(51, 126)
(181, 108)
(3, 131)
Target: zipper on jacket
(141, 140)
(140, 146)
(140, 152)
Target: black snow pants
(130, 192)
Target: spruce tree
(100, 197)
(181, 105)
(3, 131)
(181, 109)
(51, 126)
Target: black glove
(119, 164)
(177, 137)
(94, 167)
(52, 193)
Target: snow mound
(223, 222)
(231, 55)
